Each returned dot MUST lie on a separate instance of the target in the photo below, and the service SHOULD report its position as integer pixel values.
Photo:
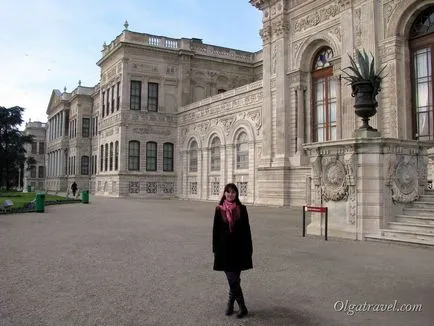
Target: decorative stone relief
(350, 166)
(388, 8)
(279, 27)
(405, 180)
(255, 117)
(274, 59)
(227, 124)
(344, 4)
(333, 180)
(265, 34)
(336, 31)
(315, 18)
(358, 27)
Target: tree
(12, 142)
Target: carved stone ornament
(333, 181)
(405, 183)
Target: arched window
(84, 168)
(193, 157)
(151, 156)
(215, 154)
(421, 41)
(134, 155)
(323, 97)
(242, 151)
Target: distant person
(74, 188)
(232, 245)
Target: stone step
(422, 204)
(427, 197)
(412, 227)
(422, 237)
(414, 219)
(382, 238)
(418, 211)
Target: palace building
(181, 118)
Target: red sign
(316, 209)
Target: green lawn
(22, 198)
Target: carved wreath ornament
(405, 185)
(334, 182)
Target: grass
(20, 199)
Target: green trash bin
(85, 196)
(40, 202)
(29, 188)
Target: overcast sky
(51, 44)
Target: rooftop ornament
(126, 25)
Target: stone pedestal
(364, 182)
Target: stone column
(205, 172)
(267, 147)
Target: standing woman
(232, 245)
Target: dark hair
(229, 187)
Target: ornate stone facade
(249, 114)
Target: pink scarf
(229, 211)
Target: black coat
(232, 250)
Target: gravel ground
(149, 262)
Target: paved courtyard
(149, 262)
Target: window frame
(135, 99)
(151, 156)
(153, 92)
(85, 128)
(168, 157)
(416, 44)
(133, 165)
(84, 165)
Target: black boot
(231, 301)
(240, 300)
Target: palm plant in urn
(365, 83)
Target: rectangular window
(118, 96)
(111, 156)
(135, 94)
(103, 104)
(108, 102)
(40, 172)
(168, 157)
(106, 157)
(33, 171)
(84, 165)
(113, 99)
(134, 155)
(85, 127)
(96, 125)
(153, 97)
(41, 148)
(101, 158)
(34, 147)
(116, 155)
(151, 156)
